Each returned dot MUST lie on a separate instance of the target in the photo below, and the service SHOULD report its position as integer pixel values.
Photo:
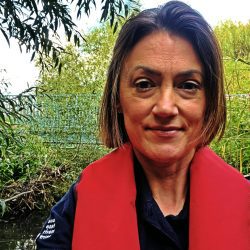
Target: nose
(166, 104)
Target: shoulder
(206, 162)
(116, 161)
(124, 152)
(107, 174)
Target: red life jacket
(105, 216)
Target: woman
(162, 188)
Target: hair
(179, 19)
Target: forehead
(163, 52)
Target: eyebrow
(147, 70)
(186, 73)
(190, 72)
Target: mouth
(165, 131)
(165, 128)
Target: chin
(170, 154)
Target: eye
(144, 84)
(189, 86)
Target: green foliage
(235, 44)
(11, 111)
(89, 64)
(38, 174)
(234, 148)
(237, 75)
(23, 160)
(234, 40)
(64, 82)
(36, 23)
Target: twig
(243, 61)
(16, 196)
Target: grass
(234, 148)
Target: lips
(165, 132)
(165, 128)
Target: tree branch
(243, 61)
(18, 195)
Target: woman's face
(162, 98)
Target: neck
(170, 193)
(168, 183)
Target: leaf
(34, 5)
(33, 55)
(126, 10)
(56, 23)
(105, 9)
(2, 116)
(60, 68)
(120, 6)
(69, 35)
(56, 61)
(75, 39)
(115, 27)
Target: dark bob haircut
(179, 19)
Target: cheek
(195, 108)
(132, 107)
(133, 114)
(194, 114)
